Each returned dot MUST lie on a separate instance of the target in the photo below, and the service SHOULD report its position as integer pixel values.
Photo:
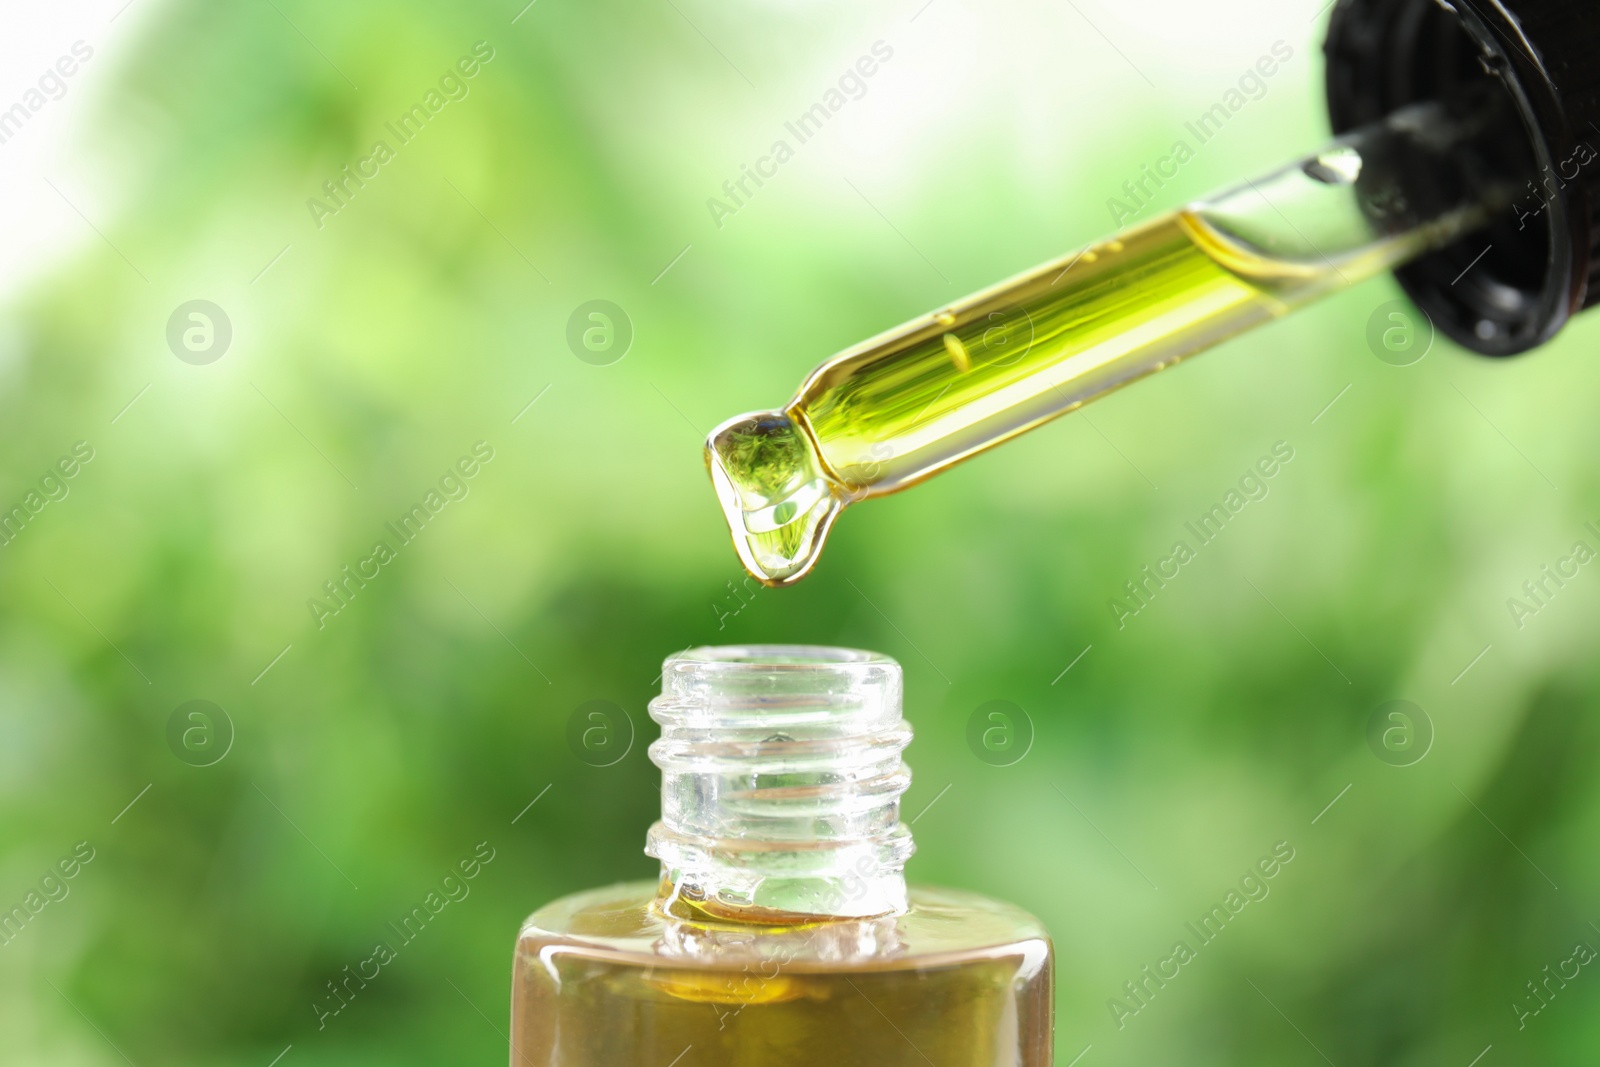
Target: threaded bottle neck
(781, 780)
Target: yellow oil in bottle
(906, 405)
(607, 979)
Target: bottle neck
(781, 780)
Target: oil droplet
(1114, 246)
(724, 987)
(945, 318)
(778, 502)
(1090, 256)
(958, 352)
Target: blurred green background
(369, 354)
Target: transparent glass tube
(903, 406)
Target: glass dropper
(905, 405)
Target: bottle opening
(781, 778)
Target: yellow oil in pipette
(903, 406)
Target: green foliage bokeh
(393, 737)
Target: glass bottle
(781, 931)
